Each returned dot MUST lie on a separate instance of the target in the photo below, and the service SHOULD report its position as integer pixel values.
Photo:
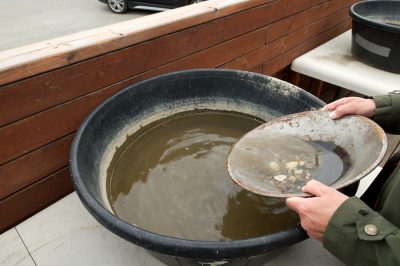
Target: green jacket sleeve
(358, 235)
(387, 113)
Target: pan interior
(284, 163)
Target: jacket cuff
(354, 221)
(388, 111)
(387, 104)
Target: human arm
(351, 106)
(385, 109)
(387, 113)
(351, 236)
(315, 212)
(339, 222)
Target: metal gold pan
(361, 138)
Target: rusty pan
(361, 138)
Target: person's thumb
(333, 115)
(314, 187)
(294, 203)
(341, 111)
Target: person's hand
(350, 106)
(315, 212)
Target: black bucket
(376, 34)
(246, 92)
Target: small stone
(291, 164)
(274, 166)
(292, 178)
(298, 172)
(280, 178)
(302, 163)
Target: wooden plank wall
(45, 93)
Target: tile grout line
(25, 246)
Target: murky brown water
(172, 179)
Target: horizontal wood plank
(26, 135)
(30, 168)
(285, 43)
(34, 198)
(287, 58)
(293, 23)
(257, 69)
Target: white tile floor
(66, 234)
(13, 251)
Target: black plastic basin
(376, 34)
(124, 112)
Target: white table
(332, 62)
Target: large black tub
(162, 96)
(376, 33)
